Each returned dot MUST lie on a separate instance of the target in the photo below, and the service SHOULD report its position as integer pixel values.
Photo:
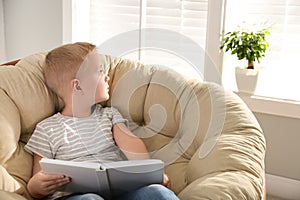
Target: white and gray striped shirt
(78, 139)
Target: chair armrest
(237, 185)
(14, 62)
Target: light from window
(279, 77)
(186, 17)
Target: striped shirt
(78, 139)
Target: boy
(83, 130)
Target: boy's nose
(107, 78)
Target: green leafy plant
(247, 44)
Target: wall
(2, 38)
(35, 25)
(283, 145)
(31, 26)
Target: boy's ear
(76, 84)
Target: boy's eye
(100, 69)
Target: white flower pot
(246, 80)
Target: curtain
(2, 34)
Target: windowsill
(271, 106)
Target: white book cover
(106, 179)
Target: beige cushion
(25, 100)
(211, 143)
(10, 196)
(176, 118)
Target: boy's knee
(154, 192)
(90, 196)
(158, 188)
(161, 192)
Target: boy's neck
(78, 112)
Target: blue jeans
(88, 196)
(153, 192)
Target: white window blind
(110, 18)
(279, 77)
(186, 17)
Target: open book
(106, 179)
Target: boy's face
(93, 80)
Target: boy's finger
(54, 184)
(51, 177)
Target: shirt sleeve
(117, 117)
(39, 143)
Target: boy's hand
(42, 184)
(166, 182)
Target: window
(186, 17)
(201, 20)
(108, 19)
(279, 77)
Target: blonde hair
(62, 64)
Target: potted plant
(250, 45)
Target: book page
(83, 175)
(106, 179)
(130, 175)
